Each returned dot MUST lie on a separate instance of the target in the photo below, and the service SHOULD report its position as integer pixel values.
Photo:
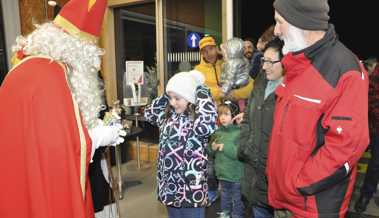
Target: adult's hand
(106, 136)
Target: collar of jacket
(296, 62)
(228, 127)
(176, 116)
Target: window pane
(136, 41)
(3, 53)
(183, 19)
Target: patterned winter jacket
(182, 160)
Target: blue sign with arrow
(193, 40)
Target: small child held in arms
(228, 168)
(186, 117)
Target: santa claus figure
(49, 129)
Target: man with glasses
(321, 120)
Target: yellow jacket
(212, 74)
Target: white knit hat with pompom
(184, 84)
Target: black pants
(212, 179)
(372, 175)
(101, 191)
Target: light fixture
(52, 3)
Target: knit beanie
(205, 41)
(184, 84)
(304, 14)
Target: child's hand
(222, 94)
(238, 118)
(220, 147)
(216, 146)
(231, 96)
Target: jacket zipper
(214, 68)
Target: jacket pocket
(330, 181)
(330, 201)
(300, 121)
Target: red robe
(40, 147)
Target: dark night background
(355, 22)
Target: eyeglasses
(268, 62)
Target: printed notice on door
(134, 72)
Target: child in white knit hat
(186, 116)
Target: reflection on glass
(181, 19)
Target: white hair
(82, 60)
(294, 40)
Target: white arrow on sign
(193, 39)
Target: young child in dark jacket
(186, 117)
(228, 168)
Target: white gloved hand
(106, 135)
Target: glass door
(185, 22)
(135, 36)
(3, 53)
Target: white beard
(83, 61)
(294, 40)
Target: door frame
(107, 41)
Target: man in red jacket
(48, 117)
(320, 124)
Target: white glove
(106, 135)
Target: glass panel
(3, 65)
(136, 41)
(3, 53)
(183, 19)
(237, 19)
